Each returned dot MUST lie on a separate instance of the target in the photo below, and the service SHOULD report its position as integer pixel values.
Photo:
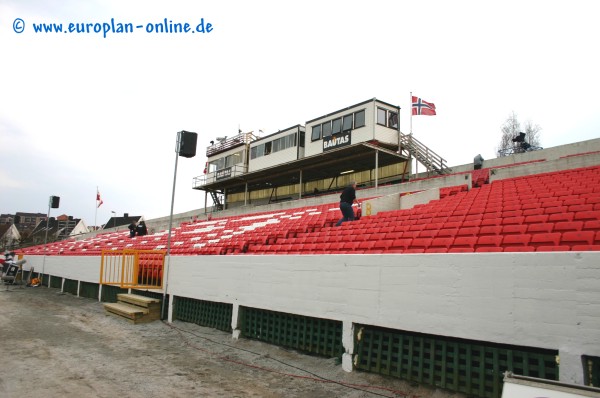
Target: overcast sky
(80, 111)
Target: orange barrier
(132, 268)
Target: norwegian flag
(420, 107)
(98, 198)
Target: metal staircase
(428, 158)
(216, 200)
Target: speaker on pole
(54, 201)
(187, 144)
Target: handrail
(426, 156)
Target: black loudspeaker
(54, 201)
(187, 144)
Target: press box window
(337, 126)
(393, 120)
(347, 123)
(316, 133)
(326, 129)
(381, 116)
(359, 119)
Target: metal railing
(424, 155)
(223, 174)
(132, 268)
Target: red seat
(490, 230)
(581, 208)
(441, 243)
(383, 244)
(461, 250)
(516, 240)
(447, 232)
(366, 245)
(491, 221)
(464, 242)
(587, 215)
(591, 225)
(513, 229)
(468, 231)
(489, 241)
(533, 211)
(572, 238)
(513, 249)
(563, 226)
(552, 249)
(580, 248)
(534, 219)
(401, 243)
(489, 249)
(513, 220)
(428, 233)
(556, 209)
(421, 243)
(557, 217)
(545, 239)
(539, 228)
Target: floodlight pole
(185, 147)
(46, 241)
(166, 284)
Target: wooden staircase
(135, 308)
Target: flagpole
(96, 211)
(410, 112)
(410, 133)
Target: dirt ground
(59, 345)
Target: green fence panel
(89, 290)
(471, 367)
(70, 286)
(109, 293)
(204, 313)
(56, 282)
(591, 370)
(313, 335)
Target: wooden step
(130, 312)
(135, 308)
(136, 299)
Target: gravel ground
(59, 345)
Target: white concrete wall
(567, 163)
(546, 300)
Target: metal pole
(162, 311)
(46, 240)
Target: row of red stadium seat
(543, 212)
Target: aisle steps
(135, 308)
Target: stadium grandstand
(451, 277)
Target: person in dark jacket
(142, 229)
(347, 198)
(132, 228)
